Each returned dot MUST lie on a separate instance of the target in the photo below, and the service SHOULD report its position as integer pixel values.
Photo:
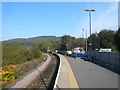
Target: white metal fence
(110, 58)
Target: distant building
(104, 50)
(78, 50)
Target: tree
(51, 45)
(95, 41)
(80, 42)
(67, 42)
(117, 39)
(106, 38)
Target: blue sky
(30, 19)
(119, 14)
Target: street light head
(87, 10)
(92, 10)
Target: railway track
(47, 78)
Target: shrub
(15, 54)
(7, 74)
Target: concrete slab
(66, 77)
(89, 75)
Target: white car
(69, 52)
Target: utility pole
(90, 33)
(86, 40)
(83, 38)
(67, 46)
(83, 33)
(90, 27)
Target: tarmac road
(89, 75)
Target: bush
(15, 54)
(36, 52)
(12, 55)
(7, 75)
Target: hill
(29, 41)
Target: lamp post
(83, 33)
(86, 40)
(67, 46)
(83, 38)
(90, 26)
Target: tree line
(18, 53)
(105, 39)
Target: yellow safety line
(73, 82)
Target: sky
(119, 14)
(31, 19)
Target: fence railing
(109, 58)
